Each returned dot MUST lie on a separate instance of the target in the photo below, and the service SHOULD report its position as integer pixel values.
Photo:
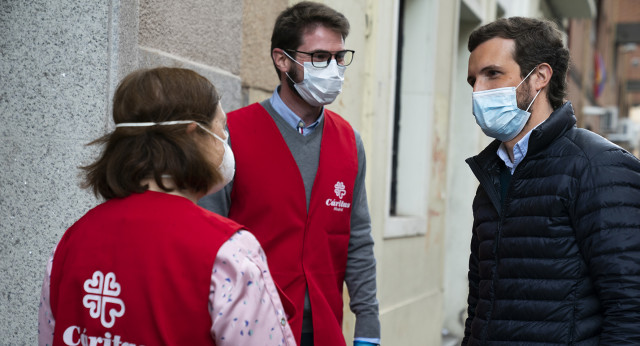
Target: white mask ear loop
(534, 98)
(294, 60)
(527, 76)
(292, 81)
(213, 134)
(522, 81)
(174, 122)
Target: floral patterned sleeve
(46, 322)
(243, 301)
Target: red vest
(137, 270)
(304, 249)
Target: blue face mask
(497, 112)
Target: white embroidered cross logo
(339, 189)
(102, 291)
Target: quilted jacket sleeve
(607, 223)
(472, 299)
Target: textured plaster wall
(60, 62)
(205, 36)
(206, 32)
(56, 67)
(257, 69)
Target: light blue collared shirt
(290, 117)
(519, 152)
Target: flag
(600, 75)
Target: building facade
(406, 93)
(604, 83)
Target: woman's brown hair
(132, 154)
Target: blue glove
(364, 343)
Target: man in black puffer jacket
(555, 250)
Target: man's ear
(280, 60)
(542, 76)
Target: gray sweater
(360, 275)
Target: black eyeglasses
(322, 59)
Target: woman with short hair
(148, 266)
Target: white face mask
(227, 167)
(319, 86)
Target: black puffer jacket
(558, 263)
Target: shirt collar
(289, 116)
(519, 151)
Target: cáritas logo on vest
(340, 191)
(101, 300)
(75, 336)
(102, 293)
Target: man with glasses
(299, 181)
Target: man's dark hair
(304, 17)
(536, 41)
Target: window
(413, 118)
